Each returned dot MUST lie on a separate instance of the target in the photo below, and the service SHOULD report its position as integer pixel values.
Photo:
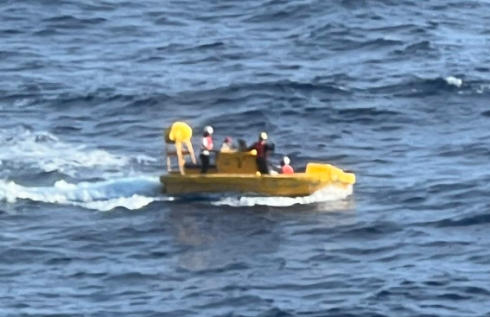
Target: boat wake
(39, 167)
(134, 193)
(23, 149)
(130, 193)
(327, 194)
(39, 159)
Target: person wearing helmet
(206, 147)
(285, 167)
(262, 149)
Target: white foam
(21, 103)
(145, 159)
(131, 193)
(45, 151)
(132, 203)
(454, 81)
(330, 193)
(482, 88)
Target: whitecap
(454, 81)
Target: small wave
(327, 194)
(210, 45)
(279, 13)
(454, 81)
(71, 22)
(169, 22)
(417, 87)
(71, 19)
(130, 193)
(473, 220)
(246, 90)
(422, 48)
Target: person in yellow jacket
(179, 134)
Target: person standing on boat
(206, 147)
(176, 136)
(262, 149)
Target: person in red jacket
(262, 149)
(285, 167)
(206, 147)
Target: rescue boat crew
(206, 147)
(227, 146)
(262, 149)
(285, 167)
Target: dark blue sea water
(395, 91)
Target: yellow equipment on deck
(237, 172)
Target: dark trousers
(204, 163)
(262, 165)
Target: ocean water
(395, 91)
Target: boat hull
(296, 185)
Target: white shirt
(206, 145)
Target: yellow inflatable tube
(330, 172)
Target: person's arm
(270, 147)
(276, 168)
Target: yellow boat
(237, 172)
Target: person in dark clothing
(262, 148)
(242, 145)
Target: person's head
(263, 136)
(208, 130)
(227, 140)
(285, 161)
